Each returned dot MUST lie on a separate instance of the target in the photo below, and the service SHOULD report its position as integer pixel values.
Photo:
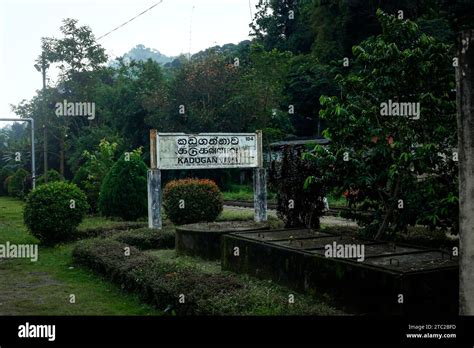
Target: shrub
(192, 200)
(4, 174)
(53, 175)
(124, 190)
(51, 215)
(146, 238)
(19, 184)
(6, 183)
(90, 187)
(90, 175)
(297, 205)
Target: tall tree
(137, 99)
(307, 80)
(200, 92)
(77, 54)
(395, 163)
(284, 24)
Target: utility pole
(61, 150)
(465, 120)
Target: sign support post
(260, 184)
(154, 185)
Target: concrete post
(154, 185)
(260, 184)
(154, 198)
(260, 194)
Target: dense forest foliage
(300, 51)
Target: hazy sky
(166, 28)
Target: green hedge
(160, 282)
(146, 238)
(104, 231)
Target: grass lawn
(44, 287)
(239, 214)
(336, 201)
(243, 193)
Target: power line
(123, 24)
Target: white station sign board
(208, 150)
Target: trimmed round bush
(192, 200)
(123, 192)
(54, 210)
(4, 174)
(19, 184)
(53, 175)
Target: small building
(275, 152)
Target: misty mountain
(142, 53)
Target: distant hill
(227, 49)
(142, 53)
